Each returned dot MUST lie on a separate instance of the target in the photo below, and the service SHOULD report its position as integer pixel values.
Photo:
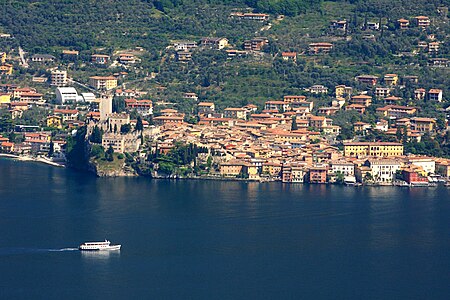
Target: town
(375, 130)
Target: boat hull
(109, 248)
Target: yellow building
(5, 98)
(54, 121)
(391, 79)
(102, 82)
(231, 168)
(2, 57)
(423, 124)
(381, 149)
(6, 69)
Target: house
(440, 62)
(233, 53)
(318, 89)
(2, 57)
(5, 98)
(214, 43)
(361, 127)
(362, 100)
(316, 48)
(235, 113)
(382, 92)
(392, 100)
(142, 107)
(435, 95)
(70, 54)
(342, 166)
(327, 111)
(419, 94)
(6, 69)
(42, 58)
(433, 47)
(294, 99)
(319, 122)
(280, 106)
(423, 124)
(403, 23)
(338, 25)
(255, 44)
(343, 91)
(378, 149)
(358, 107)
(184, 56)
(443, 168)
(67, 114)
(250, 16)
(293, 173)
(292, 56)
(396, 111)
(205, 108)
(318, 174)
(383, 170)
(411, 176)
(373, 25)
(422, 21)
(391, 79)
(367, 79)
(58, 78)
(103, 82)
(191, 96)
(19, 91)
(7, 146)
(168, 120)
(184, 45)
(100, 59)
(231, 168)
(426, 164)
(54, 121)
(410, 79)
(31, 97)
(127, 58)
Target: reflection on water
(99, 255)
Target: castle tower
(105, 106)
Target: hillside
(48, 26)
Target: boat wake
(63, 249)
(18, 251)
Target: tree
(51, 151)
(294, 125)
(115, 128)
(139, 124)
(125, 128)
(340, 177)
(96, 136)
(97, 151)
(109, 153)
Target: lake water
(218, 240)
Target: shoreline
(214, 178)
(32, 159)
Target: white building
(67, 94)
(88, 97)
(426, 163)
(58, 78)
(383, 170)
(344, 167)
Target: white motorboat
(98, 246)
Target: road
(23, 61)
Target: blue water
(218, 240)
